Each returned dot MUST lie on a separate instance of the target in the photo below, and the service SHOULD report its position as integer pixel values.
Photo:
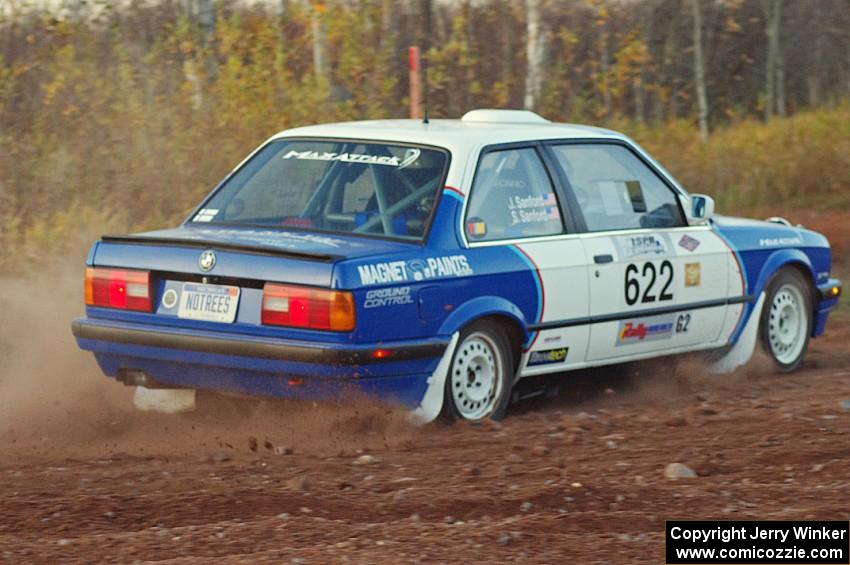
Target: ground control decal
(415, 270)
(649, 245)
(547, 357)
(648, 329)
(396, 296)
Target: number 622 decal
(641, 280)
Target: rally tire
(786, 319)
(481, 375)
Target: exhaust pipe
(154, 396)
(138, 377)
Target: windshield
(335, 186)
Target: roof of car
(452, 134)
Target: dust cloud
(54, 401)
(666, 379)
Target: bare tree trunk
(699, 70)
(813, 80)
(206, 18)
(646, 10)
(424, 34)
(320, 67)
(670, 48)
(508, 58)
(534, 48)
(424, 16)
(604, 67)
(284, 17)
(780, 84)
(387, 23)
(197, 89)
(773, 17)
(74, 8)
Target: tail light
(118, 288)
(305, 307)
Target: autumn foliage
(126, 120)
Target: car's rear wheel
(786, 322)
(481, 374)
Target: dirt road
(579, 476)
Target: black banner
(757, 542)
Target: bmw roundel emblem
(207, 260)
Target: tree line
(125, 114)
(713, 60)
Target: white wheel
(787, 324)
(481, 374)
(787, 319)
(474, 377)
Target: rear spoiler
(205, 244)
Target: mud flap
(432, 401)
(166, 401)
(743, 349)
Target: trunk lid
(240, 253)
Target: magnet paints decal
(415, 269)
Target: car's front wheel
(481, 374)
(786, 322)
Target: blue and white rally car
(436, 264)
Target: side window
(616, 190)
(512, 197)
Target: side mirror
(702, 207)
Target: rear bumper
(261, 365)
(229, 344)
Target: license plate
(208, 302)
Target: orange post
(415, 82)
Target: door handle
(602, 259)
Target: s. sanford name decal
(415, 269)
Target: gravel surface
(585, 476)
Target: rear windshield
(352, 187)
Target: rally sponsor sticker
(382, 297)
(692, 274)
(780, 241)
(270, 238)
(689, 243)
(169, 299)
(646, 329)
(429, 268)
(205, 215)
(476, 227)
(547, 357)
(645, 245)
(410, 157)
